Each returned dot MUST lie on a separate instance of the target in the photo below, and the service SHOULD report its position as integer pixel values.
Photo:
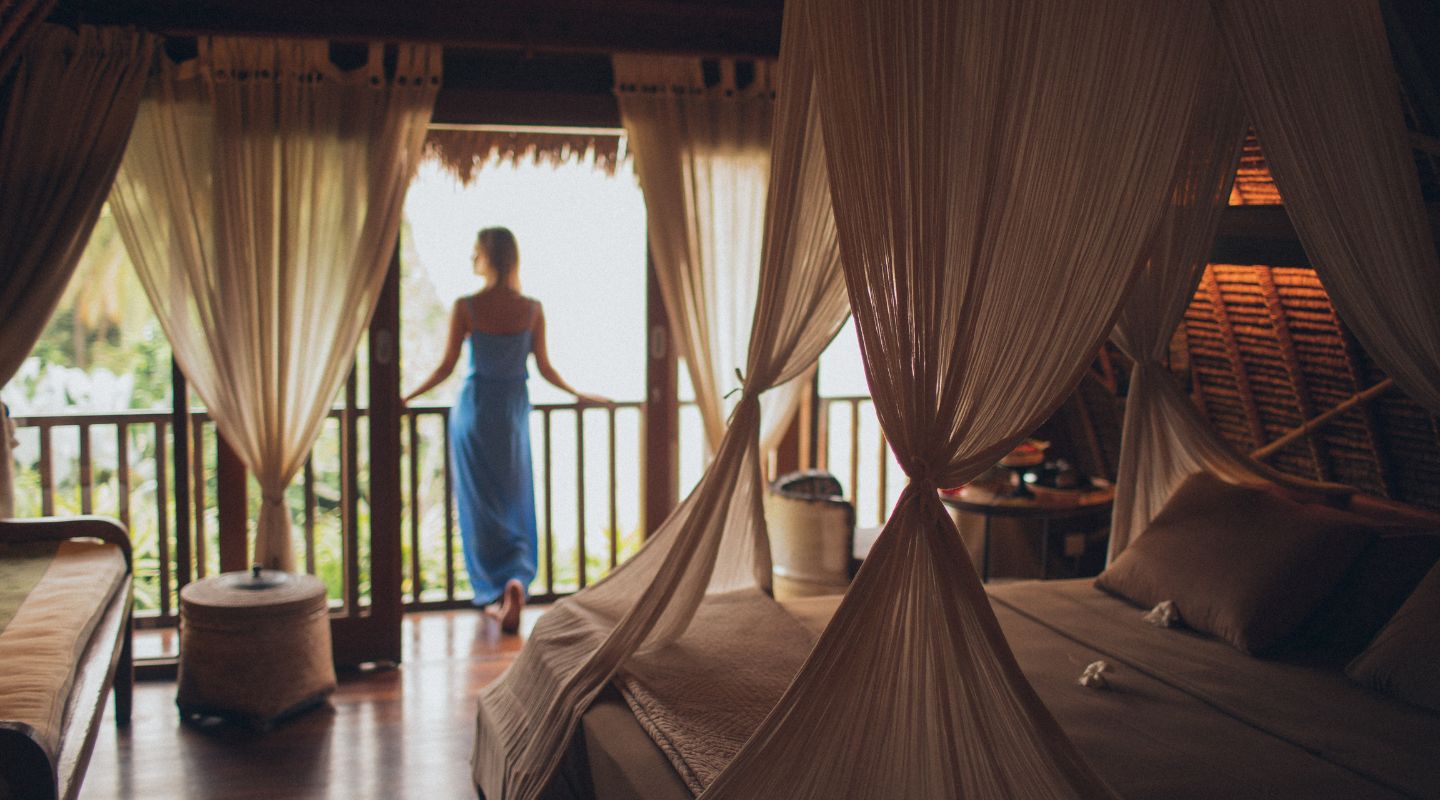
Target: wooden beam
(1304, 406)
(1368, 417)
(722, 27)
(507, 88)
(486, 106)
(1210, 284)
(1309, 426)
(1265, 235)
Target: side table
(254, 647)
(1093, 505)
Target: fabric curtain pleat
(260, 200)
(715, 543)
(71, 102)
(19, 19)
(1320, 86)
(998, 170)
(1322, 92)
(1164, 439)
(702, 156)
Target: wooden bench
(28, 767)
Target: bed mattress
(52, 595)
(1185, 716)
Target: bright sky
(582, 254)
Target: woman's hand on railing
(588, 400)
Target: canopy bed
(995, 187)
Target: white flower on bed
(1163, 615)
(1094, 676)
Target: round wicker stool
(254, 647)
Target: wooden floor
(403, 733)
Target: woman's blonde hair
(502, 257)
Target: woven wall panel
(1253, 184)
(1266, 351)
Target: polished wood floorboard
(401, 733)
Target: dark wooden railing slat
(122, 471)
(47, 474)
(449, 510)
(197, 467)
(611, 487)
(580, 494)
(87, 473)
(162, 516)
(417, 578)
(308, 481)
(549, 516)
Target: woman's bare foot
(512, 602)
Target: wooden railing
(434, 571)
(588, 484)
(850, 445)
(124, 464)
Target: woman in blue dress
(490, 426)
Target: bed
(1184, 716)
(65, 641)
(1295, 592)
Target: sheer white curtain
(1164, 438)
(715, 541)
(702, 155)
(997, 170)
(72, 100)
(260, 198)
(1322, 92)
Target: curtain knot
(747, 392)
(272, 498)
(919, 471)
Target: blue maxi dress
(494, 485)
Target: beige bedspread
(1185, 718)
(1189, 716)
(42, 641)
(701, 697)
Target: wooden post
(232, 503)
(385, 501)
(792, 453)
(180, 434)
(662, 409)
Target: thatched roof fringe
(463, 152)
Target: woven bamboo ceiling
(1263, 353)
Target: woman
(490, 426)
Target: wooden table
(1048, 508)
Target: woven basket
(254, 650)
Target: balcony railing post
(122, 470)
(180, 429)
(662, 410)
(232, 493)
(580, 493)
(87, 472)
